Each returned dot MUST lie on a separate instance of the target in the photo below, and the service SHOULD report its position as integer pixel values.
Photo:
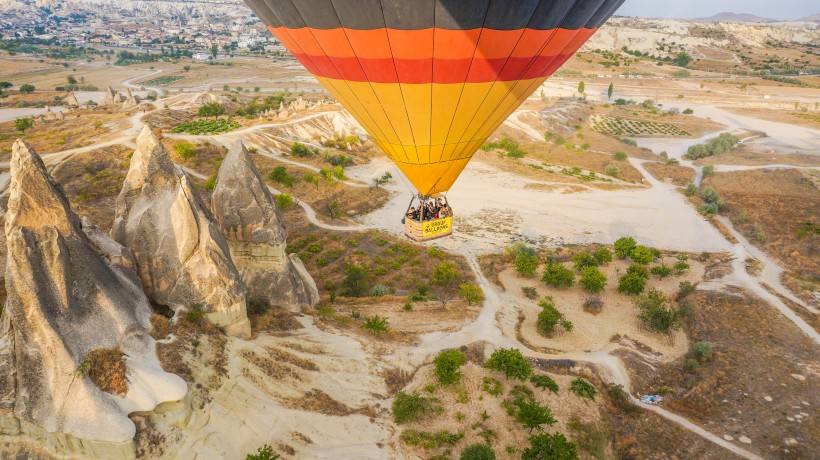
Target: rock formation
(131, 101)
(71, 291)
(71, 100)
(182, 259)
(246, 213)
(110, 98)
(48, 115)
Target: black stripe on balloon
(444, 14)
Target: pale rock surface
(110, 98)
(71, 290)
(181, 257)
(71, 100)
(131, 101)
(59, 116)
(48, 115)
(246, 213)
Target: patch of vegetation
(624, 247)
(300, 150)
(634, 281)
(376, 324)
(583, 389)
(550, 446)
(280, 175)
(511, 362)
(429, 440)
(477, 452)
(592, 438)
(161, 81)
(615, 126)
(506, 144)
(491, 385)
(557, 275)
(106, 368)
(592, 279)
(642, 255)
(185, 150)
(471, 293)
(198, 127)
(410, 407)
(263, 453)
(447, 364)
(341, 142)
(529, 292)
(550, 317)
(656, 313)
(446, 280)
(544, 382)
(720, 144)
(621, 400)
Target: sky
(776, 9)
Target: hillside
(735, 17)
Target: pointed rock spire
(182, 259)
(71, 293)
(247, 216)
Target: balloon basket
(426, 229)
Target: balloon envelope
(430, 80)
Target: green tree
(376, 324)
(214, 50)
(311, 178)
(71, 80)
(550, 447)
(22, 124)
(409, 407)
(631, 283)
(477, 452)
(583, 260)
(642, 255)
(333, 208)
(27, 88)
(263, 453)
(581, 87)
(549, 317)
(656, 313)
(526, 261)
(557, 275)
(298, 149)
(446, 280)
(383, 180)
(620, 156)
(592, 279)
(624, 246)
(610, 90)
(583, 389)
(284, 201)
(471, 293)
(511, 362)
(280, 174)
(661, 271)
(603, 256)
(544, 382)
(683, 59)
(355, 281)
(4, 85)
(447, 364)
(211, 109)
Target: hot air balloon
(430, 80)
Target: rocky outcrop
(131, 101)
(48, 115)
(182, 258)
(246, 214)
(71, 291)
(110, 98)
(71, 100)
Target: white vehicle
(621, 76)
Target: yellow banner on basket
(437, 227)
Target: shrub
(280, 174)
(688, 111)
(526, 261)
(701, 351)
(550, 317)
(583, 260)
(409, 407)
(376, 324)
(210, 183)
(301, 150)
(624, 246)
(22, 124)
(708, 170)
(471, 293)
(603, 256)
(447, 365)
(529, 292)
(185, 150)
(478, 452)
(380, 290)
(691, 190)
(557, 275)
(532, 415)
(284, 201)
(642, 255)
(612, 170)
(263, 453)
(592, 279)
(511, 362)
(428, 440)
(631, 283)
(491, 386)
(661, 271)
(550, 446)
(655, 312)
(681, 267)
(544, 382)
(446, 279)
(211, 109)
(628, 141)
(684, 289)
(27, 88)
(355, 281)
(621, 400)
(620, 156)
(583, 389)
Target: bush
(185, 150)
(631, 283)
(301, 150)
(583, 389)
(409, 407)
(511, 362)
(701, 351)
(557, 275)
(655, 312)
(642, 255)
(592, 279)
(529, 292)
(284, 201)
(544, 382)
(661, 271)
(612, 170)
(380, 290)
(531, 414)
(688, 111)
(691, 190)
(583, 260)
(621, 400)
(526, 261)
(447, 365)
(263, 453)
(198, 127)
(471, 293)
(620, 156)
(355, 281)
(446, 279)
(550, 447)
(478, 452)
(376, 324)
(624, 246)
(280, 174)
(211, 109)
(549, 318)
(27, 88)
(428, 440)
(684, 289)
(603, 256)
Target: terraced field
(624, 126)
